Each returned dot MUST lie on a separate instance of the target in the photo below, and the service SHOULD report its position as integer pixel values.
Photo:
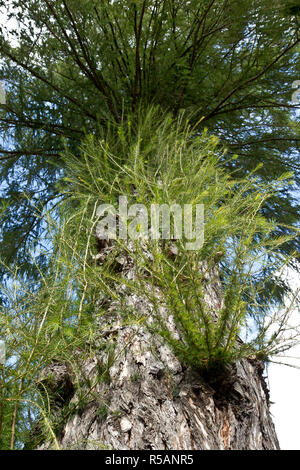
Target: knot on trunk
(57, 380)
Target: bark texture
(138, 396)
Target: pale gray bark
(148, 400)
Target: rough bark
(138, 396)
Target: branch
(137, 32)
(47, 82)
(250, 80)
(19, 153)
(267, 139)
(95, 74)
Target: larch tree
(143, 344)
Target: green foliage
(182, 168)
(73, 67)
(102, 412)
(155, 160)
(78, 76)
(135, 378)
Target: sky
(284, 385)
(284, 381)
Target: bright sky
(285, 388)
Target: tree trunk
(135, 394)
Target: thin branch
(137, 32)
(47, 82)
(250, 80)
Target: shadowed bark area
(152, 403)
(136, 395)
